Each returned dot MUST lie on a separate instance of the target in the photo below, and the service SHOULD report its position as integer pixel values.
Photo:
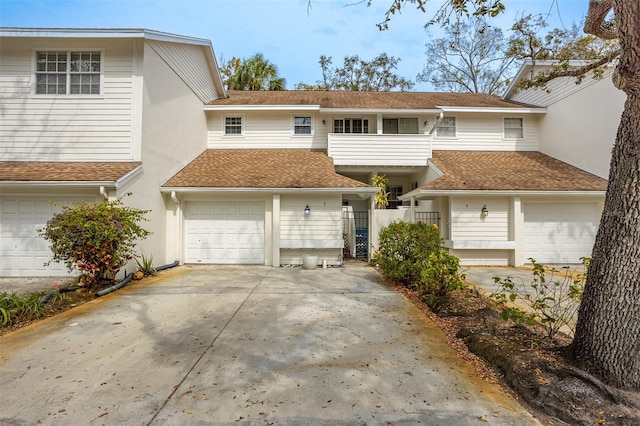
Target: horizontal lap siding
(65, 128)
(323, 223)
(467, 224)
(266, 129)
(484, 132)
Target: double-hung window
(447, 128)
(394, 191)
(233, 125)
(513, 128)
(301, 125)
(68, 72)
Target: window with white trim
(513, 128)
(351, 125)
(301, 125)
(447, 128)
(233, 125)
(68, 72)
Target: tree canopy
(359, 75)
(255, 73)
(471, 57)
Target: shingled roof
(508, 171)
(262, 168)
(35, 171)
(365, 100)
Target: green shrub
(145, 265)
(552, 301)
(94, 238)
(413, 254)
(15, 307)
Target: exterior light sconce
(484, 212)
(307, 210)
(426, 123)
(324, 122)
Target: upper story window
(513, 128)
(301, 125)
(403, 125)
(68, 72)
(447, 127)
(233, 125)
(351, 125)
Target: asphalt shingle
(262, 168)
(509, 171)
(36, 171)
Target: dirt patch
(535, 369)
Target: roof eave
(496, 110)
(445, 192)
(365, 192)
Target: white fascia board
(126, 178)
(378, 111)
(368, 191)
(49, 183)
(262, 107)
(435, 193)
(514, 110)
(102, 33)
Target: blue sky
(287, 32)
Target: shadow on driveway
(227, 345)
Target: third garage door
(224, 232)
(559, 232)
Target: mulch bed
(535, 369)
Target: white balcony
(379, 150)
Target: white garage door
(22, 251)
(224, 232)
(559, 232)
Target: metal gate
(355, 233)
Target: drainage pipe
(115, 287)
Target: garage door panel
(224, 232)
(559, 232)
(23, 251)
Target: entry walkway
(229, 345)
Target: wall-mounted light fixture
(484, 212)
(307, 210)
(324, 122)
(426, 123)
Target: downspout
(437, 123)
(174, 198)
(103, 192)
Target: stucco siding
(266, 129)
(173, 134)
(484, 132)
(66, 127)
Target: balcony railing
(379, 150)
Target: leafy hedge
(413, 254)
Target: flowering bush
(94, 238)
(413, 254)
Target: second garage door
(224, 232)
(559, 232)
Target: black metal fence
(431, 218)
(360, 221)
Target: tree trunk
(607, 338)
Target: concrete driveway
(245, 345)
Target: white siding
(190, 63)
(324, 222)
(484, 132)
(379, 150)
(266, 129)
(467, 224)
(556, 90)
(73, 128)
(581, 129)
